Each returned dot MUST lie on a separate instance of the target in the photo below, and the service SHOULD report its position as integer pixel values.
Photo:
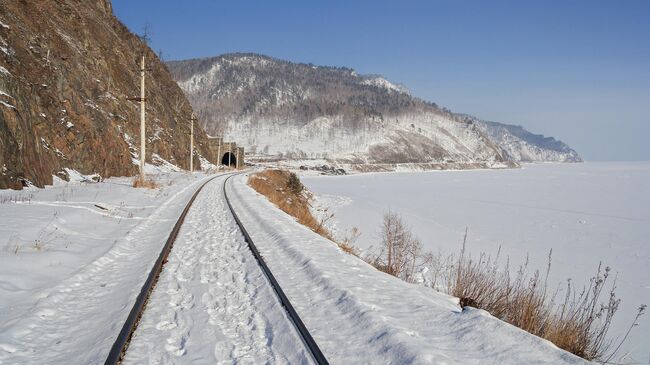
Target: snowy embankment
(73, 258)
(359, 315)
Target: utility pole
(219, 152)
(229, 153)
(142, 123)
(141, 99)
(192, 119)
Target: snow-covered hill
(520, 145)
(302, 111)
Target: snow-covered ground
(73, 257)
(212, 303)
(586, 213)
(359, 315)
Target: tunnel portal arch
(229, 159)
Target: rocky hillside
(305, 111)
(520, 145)
(66, 67)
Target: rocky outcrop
(66, 68)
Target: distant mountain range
(303, 111)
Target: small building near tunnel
(226, 153)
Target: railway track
(120, 346)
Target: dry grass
(284, 189)
(275, 185)
(146, 183)
(578, 323)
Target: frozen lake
(586, 213)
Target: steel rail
(304, 334)
(121, 343)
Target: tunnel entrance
(229, 159)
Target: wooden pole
(192, 142)
(142, 121)
(219, 152)
(229, 153)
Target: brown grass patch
(146, 183)
(577, 323)
(284, 189)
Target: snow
(4, 25)
(205, 164)
(73, 257)
(2, 93)
(212, 302)
(162, 164)
(7, 105)
(359, 315)
(385, 84)
(586, 213)
(69, 125)
(4, 71)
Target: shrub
(294, 184)
(144, 183)
(400, 253)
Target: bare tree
(400, 253)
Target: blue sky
(576, 70)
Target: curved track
(217, 247)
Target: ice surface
(586, 213)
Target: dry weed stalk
(146, 183)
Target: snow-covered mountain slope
(520, 145)
(359, 315)
(304, 111)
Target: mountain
(66, 68)
(302, 111)
(306, 111)
(520, 145)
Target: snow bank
(359, 315)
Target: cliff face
(66, 68)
